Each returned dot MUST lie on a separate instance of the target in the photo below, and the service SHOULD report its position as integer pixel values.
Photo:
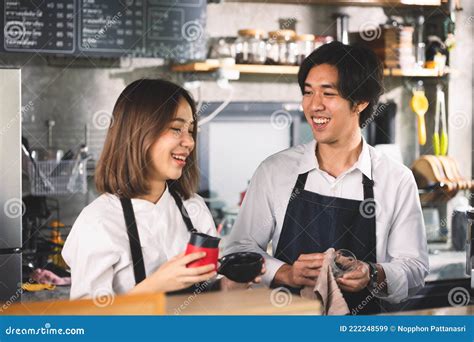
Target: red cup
(200, 242)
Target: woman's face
(170, 151)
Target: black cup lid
(204, 240)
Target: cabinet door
(11, 205)
(10, 278)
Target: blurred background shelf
(388, 3)
(211, 66)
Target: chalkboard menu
(48, 26)
(172, 29)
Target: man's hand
(303, 272)
(355, 280)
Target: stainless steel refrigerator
(11, 205)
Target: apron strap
(184, 212)
(368, 187)
(366, 182)
(369, 196)
(134, 239)
(301, 182)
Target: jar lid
(282, 35)
(305, 37)
(251, 33)
(324, 39)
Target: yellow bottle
(56, 238)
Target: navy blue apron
(134, 239)
(313, 223)
(136, 249)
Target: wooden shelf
(413, 72)
(211, 66)
(251, 69)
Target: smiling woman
(150, 121)
(131, 239)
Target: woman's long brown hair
(143, 111)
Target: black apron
(134, 238)
(313, 223)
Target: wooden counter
(446, 311)
(261, 301)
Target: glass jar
(321, 40)
(281, 47)
(250, 47)
(305, 44)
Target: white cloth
(98, 252)
(401, 238)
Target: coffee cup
(241, 267)
(200, 242)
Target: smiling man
(337, 191)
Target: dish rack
(51, 177)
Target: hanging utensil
(50, 153)
(419, 104)
(436, 147)
(440, 146)
(444, 130)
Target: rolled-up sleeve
(406, 264)
(255, 223)
(91, 255)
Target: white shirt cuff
(272, 265)
(397, 283)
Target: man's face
(331, 117)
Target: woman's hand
(227, 284)
(174, 275)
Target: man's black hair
(359, 71)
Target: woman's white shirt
(98, 252)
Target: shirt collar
(147, 205)
(309, 161)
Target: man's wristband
(373, 275)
